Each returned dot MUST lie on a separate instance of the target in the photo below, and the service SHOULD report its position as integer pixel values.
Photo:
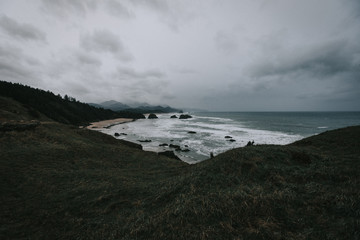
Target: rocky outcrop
(185, 116)
(177, 147)
(119, 134)
(130, 144)
(250, 143)
(191, 132)
(169, 154)
(144, 141)
(163, 145)
(152, 116)
(228, 137)
(173, 116)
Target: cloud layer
(229, 55)
(22, 31)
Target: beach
(109, 123)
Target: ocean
(217, 132)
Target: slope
(61, 182)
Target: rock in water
(185, 116)
(152, 116)
(174, 146)
(173, 116)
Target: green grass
(61, 182)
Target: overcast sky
(238, 55)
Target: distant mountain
(135, 107)
(194, 110)
(154, 109)
(65, 110)
(112, 105)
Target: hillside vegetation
(65, 110)
(62, 182)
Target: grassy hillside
(65, 110)
(61, 182)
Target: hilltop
(61, 109)
(62, 182)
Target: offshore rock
(152, 116)
(174, 146)
(185, 116)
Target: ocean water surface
(214, 130)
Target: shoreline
(105, 124)
(109, 123)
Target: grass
(61, 182)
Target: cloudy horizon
(229, 55)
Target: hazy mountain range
(135, 107)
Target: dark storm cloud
(87, 59)
(75, 65)
(22, 31)
(75, 72)
(142, 85)
(321, 61)
(186, 71)
(18, 67)
(117, 9)
(65, 8)
(104, 41)
(129, 73)
(159, 5)
(173, 13)
(226, 42)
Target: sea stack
(152, 116)
(185, 116)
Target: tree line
(61, 109)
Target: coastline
(109, 123)
(102, 125)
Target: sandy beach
(109, 123)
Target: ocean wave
(209, 137)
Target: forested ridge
(61, 109)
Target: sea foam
(209, 137)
